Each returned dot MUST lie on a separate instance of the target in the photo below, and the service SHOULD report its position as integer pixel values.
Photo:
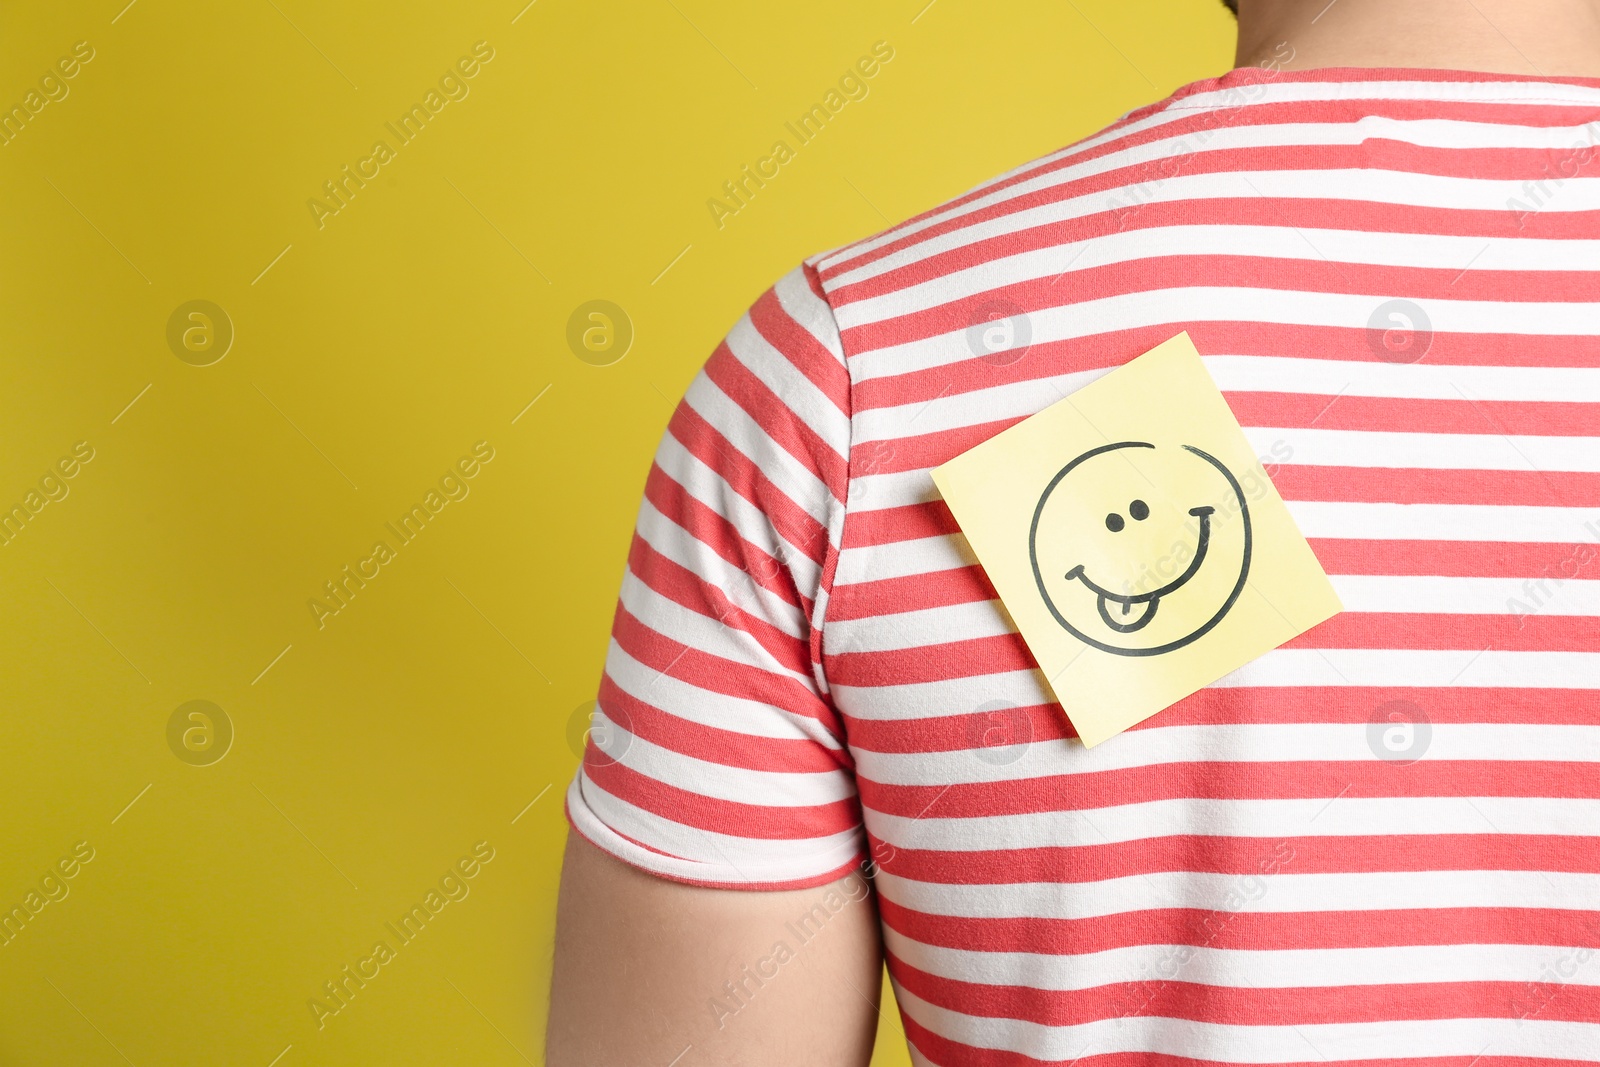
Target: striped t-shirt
(1379, 843)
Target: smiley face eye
(1114, 522)
(1139, 510)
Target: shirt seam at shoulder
(831, 556)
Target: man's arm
(645, 967)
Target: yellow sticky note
(1136, 541)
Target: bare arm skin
(645, 968)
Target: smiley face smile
(1150, 600)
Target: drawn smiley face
(1139, 550)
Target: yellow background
(368, 357)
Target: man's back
(1378, 842)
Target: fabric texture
(1379, 843)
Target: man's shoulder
(994, 219)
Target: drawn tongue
(1119, 614)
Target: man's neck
(1534, 37)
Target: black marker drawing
(1128, 613)
(1149, 600)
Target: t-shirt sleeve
(715, 756)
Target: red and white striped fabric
(1377, 844)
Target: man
(1378, 843)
